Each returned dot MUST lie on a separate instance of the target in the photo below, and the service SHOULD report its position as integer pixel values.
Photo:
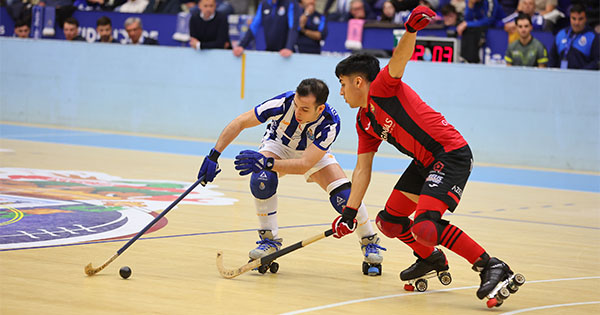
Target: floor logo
(45, 207)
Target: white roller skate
(370, 248)
(266, 246)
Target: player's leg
(263, 186)
(330, 176)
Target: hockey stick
(90, 271)
(232, 273)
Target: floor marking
(549, 306)
(318, 308)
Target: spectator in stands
(527, 7)
(104, 29)
(576, 46)
(132, 6)
(208, 28)
(64, 9)
(479, 16)
(343, 11)
(548, 9)
(527, 51)
(135, 30)
(97, 5)
(451, 19)
(164, 6)
(22, 29)
(389, 14)
(279, 20)
(313, 28)
(71, 29)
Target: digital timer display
(434, 49)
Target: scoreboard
(434, 49)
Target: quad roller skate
(425, 268)
(266, 246)
(370, 247)
(498, 282)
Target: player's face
(105, 32)
(22, 31)
(134, 30)
(524, 28)
(351, 91)
(578, 20)
(306, 109)
(70, 31)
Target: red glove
(419, 18)
(344, 224)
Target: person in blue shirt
(313, 28)
(279, 21)
(576, 47)
(300, 131)
(479, 15)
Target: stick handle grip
(284, 251)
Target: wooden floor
(550, 236)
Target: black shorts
(444, 179)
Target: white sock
(266, 210)
(365, 228)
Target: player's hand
(249, 161)
(285, 52)
(238, 51)
(210, 167)
(419, 18)
(345, 223)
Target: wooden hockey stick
(90, 271)
(232, 273)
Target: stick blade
(89, 270)
(232, 273)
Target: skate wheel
(519, 279)
(421, 285)
(374, 270)
(409, 287)
(499, 303)
(365, 268)
(263, 269)
(274, 267)
(445, 278)
(491, 302)
(512, 287)
(503, 294)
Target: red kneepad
(425, 232)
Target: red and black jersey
(396, 114)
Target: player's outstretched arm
(233, 129)
(419, 18)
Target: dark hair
(21, 22)
(577, 8)
(447, 9)
(315, 87)
(71, 20)
(523, 16)
(358, 64)
(103, 21)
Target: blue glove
(249, 161)
(210, 167)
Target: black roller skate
(498, 282)
(370, 247)
(417, 274)
(266, 246)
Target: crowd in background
(299, 26)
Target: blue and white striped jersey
(284, 127)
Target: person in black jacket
(209, 28)
(135, 30)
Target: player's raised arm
(419, 18)
(210, 165)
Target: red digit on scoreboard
(437, 54)
(419, 52)
(448, 53)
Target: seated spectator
(527, 7)
(71, 29)
(22, 29)
(104, 29)
(389, 14)
(451, 19)
(133, 6)
(479, 16)
(527, 50)
(208, 28)
(313, 28)
(343, 11)
(279, 20)
(135, 30)
(548, 9)
(576, 46)
(64, 9)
